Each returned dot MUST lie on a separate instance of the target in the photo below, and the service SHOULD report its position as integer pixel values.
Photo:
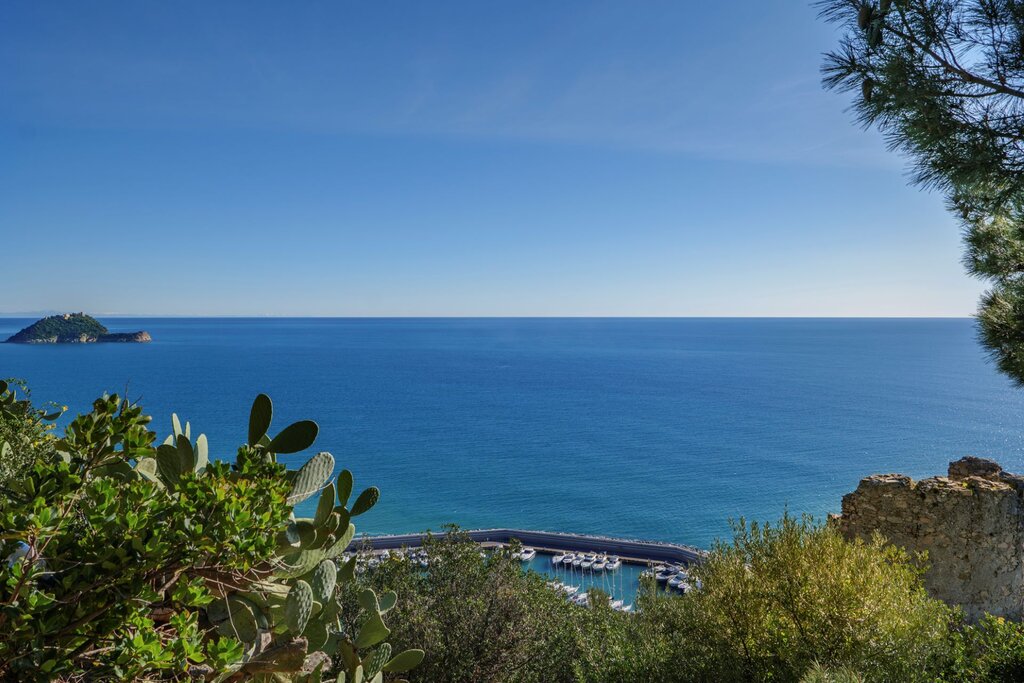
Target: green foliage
(782, 602)
(944, 81)
(991, 651)
(783, 597)
(24, 431)
(819, 674)
(130, 560)
(486, 620)
(62, 328)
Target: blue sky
(450, 158)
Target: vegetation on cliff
(785, 602)
(72, 328)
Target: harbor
(577, 564)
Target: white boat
(569, 558)
(569, 590)
(578, 561)
(527, 554)
(557, 559)
(586, 564)
(664, 576)
(675, 581)
(613, 563)
(616, 604)
(601, 564)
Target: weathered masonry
(971, 524)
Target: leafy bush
(127, 560)
(780, 603)
(783, 598)
(25, 430)
(991, 651)
(479, 620)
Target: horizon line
(495, 317)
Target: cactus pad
(298, 606)
(311, 477)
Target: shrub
(126, 560)
(24, 429)
(991, 651)
(783, 598)
(480, 619)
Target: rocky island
(73, 328)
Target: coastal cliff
(74, 328)
(970, 522)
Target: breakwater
(629, 550)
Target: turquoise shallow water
(659, 428)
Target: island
(73, 328)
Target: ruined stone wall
(969, 522)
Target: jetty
(632, 551)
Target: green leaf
(298, 606)
(259, 418)
(325, 507)
(237, 622)
(186, 454)
(347, 573)
(202, 454)
(404, 661)
(311, 477)
(147, 467)
(372, 631)
(345, 482)
(168, 464)
(366, 500)
(295, 437)
(324, 579)
(306, 531)
(387, 601)
(368, 600)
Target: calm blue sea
(650, 428)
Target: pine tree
(944, 81)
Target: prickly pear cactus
(289, 619)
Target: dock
(632, 551)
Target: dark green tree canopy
(944, 81)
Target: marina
(577, 564)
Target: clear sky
(450, 158)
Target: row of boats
(575, 596)
(672, 576)
(587, 561)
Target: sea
(666, 429)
